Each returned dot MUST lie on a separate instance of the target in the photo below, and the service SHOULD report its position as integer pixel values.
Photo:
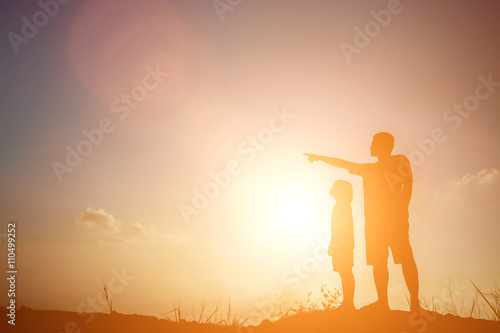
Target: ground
(28, 320)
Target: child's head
(341, 191)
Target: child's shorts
(343, 259)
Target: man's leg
(348, 285)
(403, 253)
(377, 252)
(410, 273)
(381, 278)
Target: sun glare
(288, 210)
(293, 209)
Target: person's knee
(410, 269)
(408, 260)
(403, 255)
(345, 272)
(380, 266)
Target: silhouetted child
(342, 242)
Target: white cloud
(141, 233)
(483, 177)
(475, 187)
(99, 219)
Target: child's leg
(347, 286)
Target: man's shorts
(380, 238)
(343, 258)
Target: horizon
(163, 141)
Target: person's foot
(377, 306)
(415, 306)
(346, 307)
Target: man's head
(341, 191)
(382, 144)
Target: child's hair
(342, 190)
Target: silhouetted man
(387, 187)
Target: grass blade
(484, 297)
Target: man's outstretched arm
(336, 162)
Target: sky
(157, 146)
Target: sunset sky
(162, 141)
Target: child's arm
(334, 234)
(332, 247)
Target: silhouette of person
(387, 188)
(342, 240)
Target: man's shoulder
(402, 166)
(400, 157)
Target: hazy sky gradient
(227, 79)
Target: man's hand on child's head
(312, 157)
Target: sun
(293, 209)
(287, 210)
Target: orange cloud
(483, 177)
(99, 219)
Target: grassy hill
(29, 320)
